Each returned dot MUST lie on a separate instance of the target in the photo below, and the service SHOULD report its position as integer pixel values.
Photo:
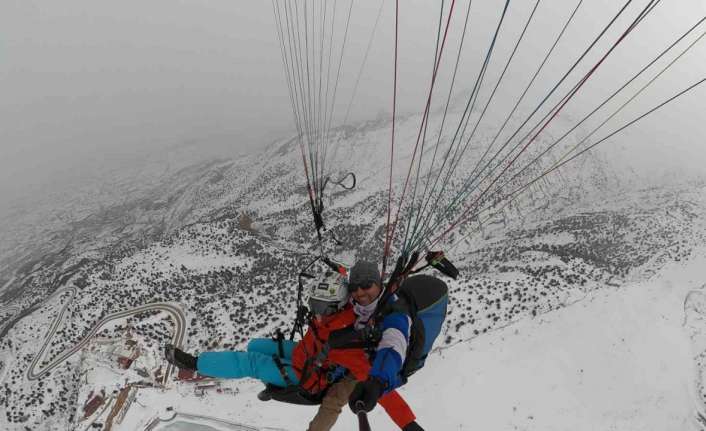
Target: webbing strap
(282, 370)
(280, 339)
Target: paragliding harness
(422, 297)
(295, 393)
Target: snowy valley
(582, 307)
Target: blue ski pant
(257, 362)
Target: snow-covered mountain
(551, 324)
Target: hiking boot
(265, 394)
(179, 358)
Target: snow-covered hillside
(620, 359)
(553, 324)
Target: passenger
(309, 364)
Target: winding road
(10, 312)
(173, 309)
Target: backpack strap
(282, 370)
(351, 338)
(279, 338)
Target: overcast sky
(86, 82)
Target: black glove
(366, 394)
(412, 426)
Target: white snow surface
(622, 355)
(621, 359)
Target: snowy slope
(621, 359)
(222, 242)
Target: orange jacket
(309, 349)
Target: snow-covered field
(621, 359)
(579, 309)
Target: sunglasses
(365, 286)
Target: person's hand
(366, 394)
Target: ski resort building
(189, 376)
(93, 403)
(122, 405)
(131, 394)
(124, 363)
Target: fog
(87, 87)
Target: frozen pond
(185, 426)
(189, 422)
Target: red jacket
(309, 349)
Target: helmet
(329, 293)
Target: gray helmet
(329, 293)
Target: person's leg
(268, 346)
(237, 365)
(398, 410)
(333, 402)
